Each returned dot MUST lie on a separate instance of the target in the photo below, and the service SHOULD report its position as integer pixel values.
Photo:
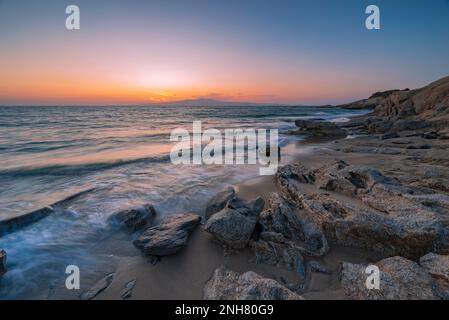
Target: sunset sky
(293, 52)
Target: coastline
(183, 275)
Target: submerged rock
(322, 129)
(99, 287)
(400, 279)
(136, 218)
(229, 285)
(168, 237)
(2, 261)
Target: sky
(277, 51)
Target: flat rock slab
(229, 285)
(168, 237)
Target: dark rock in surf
(168, 237)
(322, 129)
(136, 218)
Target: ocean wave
(78, 169)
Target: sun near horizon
(256, 51)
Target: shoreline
(183, 275)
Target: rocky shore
(377, 187)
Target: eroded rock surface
(400, 279)
(392, 221)
(229, 285)
(235, 223)
(168, 237)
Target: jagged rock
(229, 285)
(400, 279)
(99, 287)
(273, 249)
(282, 216)
(2, 261)
(219, 202)
(295, 171)
(231, 227)
(136, 218)
(169, 236)
(250, 208)
(320, 129)
(397, 222)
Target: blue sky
(279, 51)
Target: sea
(113, 158)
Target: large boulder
(229, 285)
(2, 261)
(321, 129)
(219, 201)
(399, 279)
(169, 236)
(234, 224)
(135, 218)
(231, 227)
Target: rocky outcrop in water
(319, 129)
(400, 279)
(136, 218)
(169, 236)
(229, 285)
(13, 224)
